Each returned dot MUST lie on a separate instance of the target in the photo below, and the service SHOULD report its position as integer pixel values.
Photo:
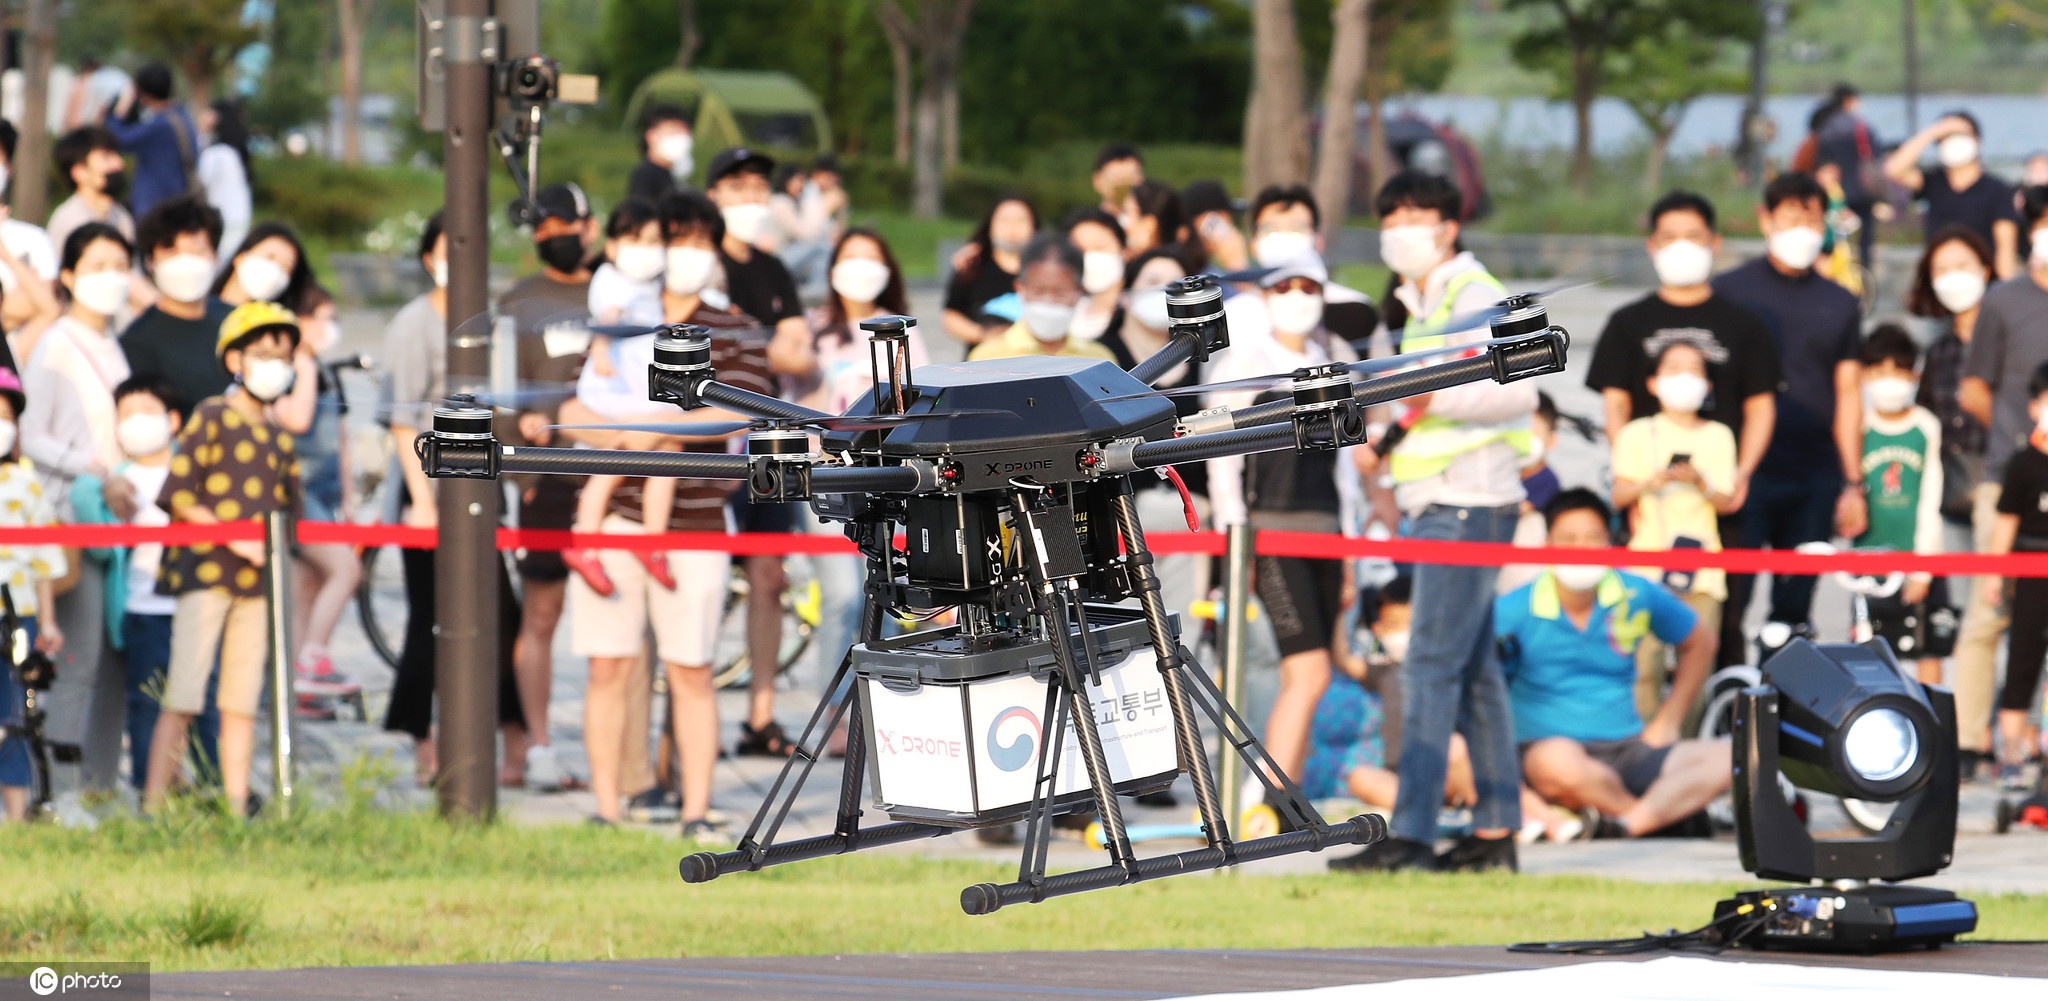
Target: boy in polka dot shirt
(232, 464)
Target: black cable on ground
(1702, 939)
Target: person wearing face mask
(2009, 341)
(625, 290)
(1903, 476)
(314, 411)
(233, 462)
(415, 369)
(1456, 475)
(1049, 293)
(1286, 227)
(1569, 640)
(665, 148)
(1960, 192)
(1675, 473)
(29, 572)
(1100, 238)
(985, 272)
(90, 159)
(1742, 362)
(1288, 491)
(269, 265)
(613, 596)
(757, 282)
(171, 339)
(1808, 486)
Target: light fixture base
(1867, 919)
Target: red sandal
(657, 568)
(587, 566)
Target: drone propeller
(712, 429)
(1375, 366)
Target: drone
(1002, 492)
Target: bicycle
(34, 673)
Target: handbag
(1960, 474)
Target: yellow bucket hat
(252, 318)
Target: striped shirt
(739, 354)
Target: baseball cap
(250, 319)
(562, 200)
(736, 160)
(1307, 266)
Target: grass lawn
(354, 886)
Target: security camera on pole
(470, 54)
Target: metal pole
(1234, 620)
(277, 555)
(465, 563)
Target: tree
(1275, 130)
(686, 22)
(1413, 48)
(200, 37)
(900, 63)
(934, 30)
(1574, 45)
(1660, 75)
(294, 86)
(354, 17)
(1351, 20)
(32, 151)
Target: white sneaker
(543, 774)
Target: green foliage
(198, 35)
(1414, 45)
(294, 87)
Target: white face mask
(1958, 151)
(184, 277)
(1148, 307)
(2038, 254)
(1295, 314)
(1101, 271)
(1394, 644)
(1538, 448)
(1796, 247)
(676, 150)
(1683, 264)
(1282, 247)
(103, 292)
(1890, 394)
(689, 270)
(6, 437)
(640, 262)
(1580, 577)
(440, 273)
(1411, 251)
(261, 278)
(1682, 393)
(859, 279)
(268, 379)
(745, 221)
(2040, 426)
(4, 175)
(1088, 326)
(1047, 321)
(1959, 291)
(143, 434)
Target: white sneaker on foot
(543, 774)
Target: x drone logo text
(1017, 753)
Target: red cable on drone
(1187, 500)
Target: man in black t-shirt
(1742, 363)
(1961, 192)
(761, 287)
(178, 243)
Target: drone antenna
(889, 354)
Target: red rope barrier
(1311, 545)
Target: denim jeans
(1452, 681)
(1783, 514)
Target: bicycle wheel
(732, 661)
(381, 604)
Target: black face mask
(562, 253)
(117, 184)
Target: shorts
(553, 506)
(1303, 598)
(209, 622)
(764, 516)
(685, 620)
(1637, 763)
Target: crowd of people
(161, 370)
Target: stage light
(1847, 720)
